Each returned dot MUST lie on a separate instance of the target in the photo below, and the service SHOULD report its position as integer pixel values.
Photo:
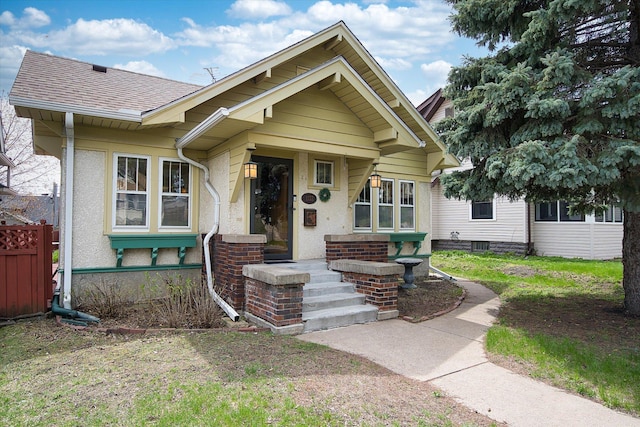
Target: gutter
(190, 136)
(68, 210)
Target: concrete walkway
(448, 352)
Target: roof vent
(99, 68)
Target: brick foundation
(495, 247)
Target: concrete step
(336, 300)
(320, 276)
(318, 320)
(326, 288)
(305, 265)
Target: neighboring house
(500, 225)
(313, 122)
(29, 210)
(5, 163)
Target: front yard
(52, 375)
(560, 322)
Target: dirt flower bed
(432, 297)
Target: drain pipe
(233, 315)
(68, 210)
(443, 274)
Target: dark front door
(272, 207)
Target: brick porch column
(229, 253)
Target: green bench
(153, 242)
(399, 239)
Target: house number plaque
(309, 198)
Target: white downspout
(233, 315)
(67, 264)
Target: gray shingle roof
(49, 78)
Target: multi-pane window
(323, 173)
(385, 204)
(362, 209)
(131, 191)
(612, 214)
(482, 210)
(556, 211)
(175, 197)
(407, 205)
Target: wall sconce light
(250, 168)
(375, 179)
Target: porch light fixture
(375, 178)
(250, 169)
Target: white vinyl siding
(453, 216)
(589, 240)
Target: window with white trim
(362, 209)
(613, 214)
(407, 205)
(131, 195)
(482, 210)
(175, 198)
(323, 173)
(385, 204)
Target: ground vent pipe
(233, 315)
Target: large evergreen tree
(554, 112)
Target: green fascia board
(146, 241)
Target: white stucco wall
(333, 216)
(91, 247)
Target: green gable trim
(181, 242)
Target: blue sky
(180, 40)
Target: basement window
(479, 246)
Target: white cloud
(436, 74)
(11, 60)
(258, 9)
(101, 37)
(31, 18)
(142, 67)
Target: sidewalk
(448, 352)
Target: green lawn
(561, 319)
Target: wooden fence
(26, 285)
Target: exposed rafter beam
(330, 81)
(333, 42)
(389, 134)
(266, 74)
